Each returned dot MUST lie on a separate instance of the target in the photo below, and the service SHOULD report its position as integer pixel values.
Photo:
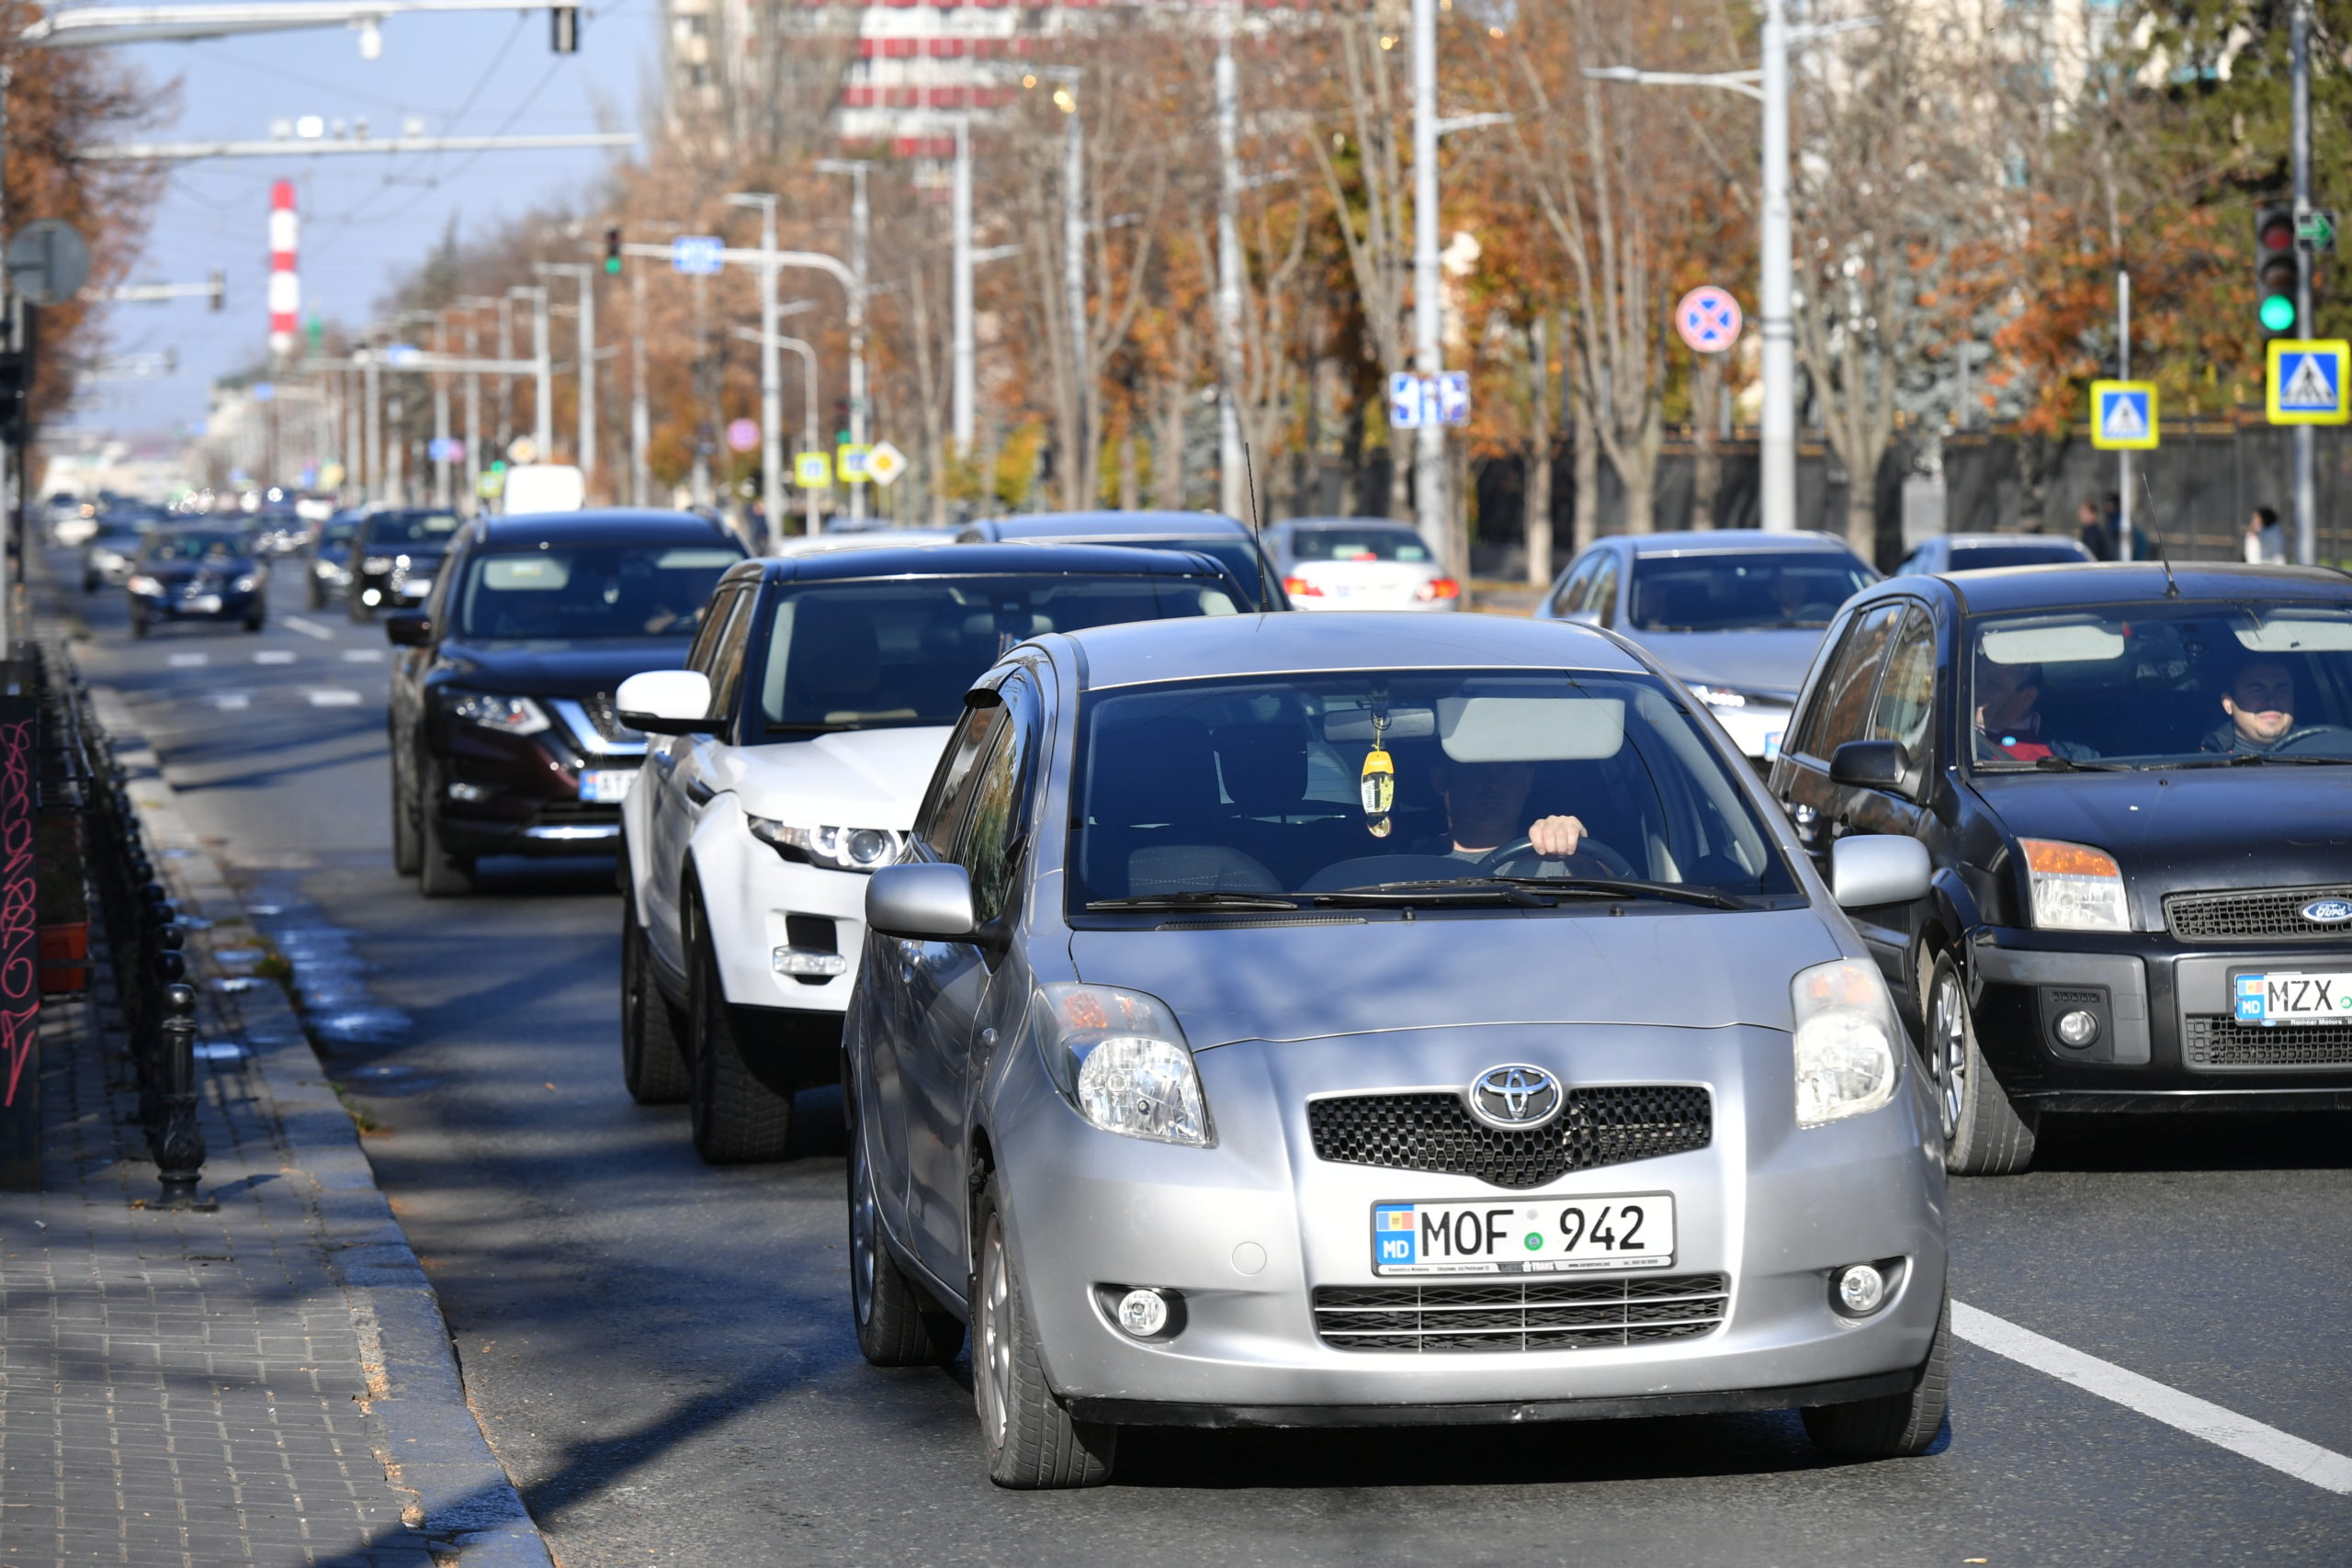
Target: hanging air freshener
(1377, 782)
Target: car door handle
(698, 793)
(988, 1039)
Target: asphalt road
(661, 1352)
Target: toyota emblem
(1515, 1096)
(2328, 911)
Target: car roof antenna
(2155, 537)
(1257, 531)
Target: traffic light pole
(2123, 372)
(2306, 486)
(771, 374)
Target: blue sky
(364, 217)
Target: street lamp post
(771, 370)
(543, 370)
(585, 277)
(807, 398)
(1233, 488)
(860, 219)
(964, 355)
(2306, 486)
(1429, 348)
(641, 417)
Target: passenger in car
(1485, 803)
(2008, 725)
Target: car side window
(1601, 597)
(1572, 588)
(714, 626)
(1907, 692)
(951, 785)
(989, 846)
(726, 660)
(1844, 700)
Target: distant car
(2132, 784)
(862, 539)
(1220, 539)
(279, 529)
(397, 552)
(1359, 563)
(1989, 552)
(1735, 615)
(197, 574)
(329, 577)
(108, 553)
(502, 733)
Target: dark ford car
(2136, 791)
(503, 740)
(196, 574)
(395, 557)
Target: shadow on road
(2310, 1140)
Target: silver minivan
(1381, 1020)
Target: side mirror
(1870, 869)
(408, 629)
(665, 701)
(1871, 764)
(920, 903)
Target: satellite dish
(48, 261)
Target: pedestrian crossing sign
(2305, 381)
(2123, 415)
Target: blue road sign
(1405, 401)
(698, 254)
(1454, 397)
(2123, 415)
(2306, 381)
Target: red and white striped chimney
(285, 283)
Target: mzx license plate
(2293, 996)
(1543, 1235)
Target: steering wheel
(1599, 859)
(2316, 740)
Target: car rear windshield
(2164, 684)
(1743, 593)
(187, 546)
(1352, 542)
(411, 527)
(578, 593)
(1987, 558)
(1232, 551)
(903, 651)
(1303, 785)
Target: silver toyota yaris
(1381, 1020)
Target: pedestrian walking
(2266, 537)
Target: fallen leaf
(551, 1085)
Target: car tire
(253, 622)
(1983, 1134)
(738, 1119)
(313, 596)
(897, 1324)
(653, 1061)
(1033, 1443)
(408, 856)
(1895, 1426)
(439, 874)
(139, 623)
(352, 606)
(89, 583)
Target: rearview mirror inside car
(408, 629)
(665, 701)
(1871, 764)
(1870, 869)
(920, 903)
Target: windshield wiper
(1628, 887)
(1199, 899)
(1438, 890)
(2054, 763)
(2256, 759)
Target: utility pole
(771, 371)
(1074, 277)
(2306, 486)
(860, 219)
(1777, 499)
(506, 382)
(1429, 511)
(585, 277)
(2123, 372)
(640, 419)
(441, 420)
(1232, 463)
(965, 357)
(373, 376)
(473, 404)
(808, 402)
(543, 370)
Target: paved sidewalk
(269, 1383)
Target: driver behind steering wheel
(2260, 703)
(1485, 805)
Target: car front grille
(2262, 914)
(1547, 1315)
(1435, 1132)
(2212, 1041)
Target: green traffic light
(613, 266)
(2278, 313)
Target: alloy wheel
(1948, 1048)
(993, 1365)
(860, 1230)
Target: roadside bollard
(175, 1141)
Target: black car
(504, 739)
(2134, 787)
(395, 556)
(197, 574)
(328, 575)
(1225, 541)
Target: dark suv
(504, 739)
(395, 557)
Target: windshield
(337, 533)
(583, 592)
(869, 655)
(1743, 593)
(1354, 542)
(193, 547)
(1236, 554)
(2162, 684)
(1986, 558)
(411, 527)
(1320, 784)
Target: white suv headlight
(2075, 887)
(1845, 1041)
(843, 848)
(1121, 1059)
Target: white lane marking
(332, 697)
(232, 702)
(2200, 1418)
(362, 656)
(308, 628)
(275, 656)
(188, 661)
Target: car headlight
(250, 581)
(377, 563)
(142, 583)
(506, 714)
(1121, 1060)
(1844, 1043)
(2075, 887)
(843, 848)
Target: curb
(434, 1449)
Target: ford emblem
(1515, 1096)
(2328, 911)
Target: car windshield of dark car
(871, 655)
(1357, 542)
(1988, 557)
(2164, 685)
(179, 546)
(1299, 786)
(1232, 551)
(337, 533)
(411, 527)
(578, 593)
(1743, 593)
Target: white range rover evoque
(793, 751)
